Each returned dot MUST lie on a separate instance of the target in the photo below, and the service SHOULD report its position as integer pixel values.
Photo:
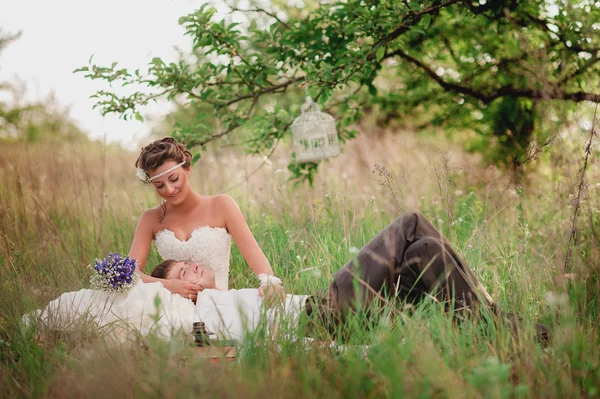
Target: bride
(189, 226)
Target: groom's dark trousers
(409, 260)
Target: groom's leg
(409, 259)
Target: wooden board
(216, 353)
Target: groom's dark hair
(163, 268)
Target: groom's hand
(185, 289)
(271, 294)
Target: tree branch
(411, 20)
(270, 14)
(267, 90)
(581, 69)
(572, 235)
(499, 92)
(544, 25)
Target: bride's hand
(184, 288)
(271, 294)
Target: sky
(59, 36)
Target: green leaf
(426, 21)
(324, 96)
(196, 157)
(372, 89)
(380, 53)
(139, 117)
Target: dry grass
(63, 205)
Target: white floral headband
(143, 176)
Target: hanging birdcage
(315, 135)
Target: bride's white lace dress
(210, 247)
(150, 308)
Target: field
(62, 205)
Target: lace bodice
(210, 247)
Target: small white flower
(353, 250)
(298, 257)
(142, 175)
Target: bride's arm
(241, 234)
(254, 256)
(140, 248)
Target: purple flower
(114, 273)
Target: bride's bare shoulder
(217, 201)
(221, 200)
(150, 218)
(218, 206)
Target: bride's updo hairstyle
(160, 151)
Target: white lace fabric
(209, 247)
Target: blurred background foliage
(501, 76)
(23, 120)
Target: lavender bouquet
(114, 274)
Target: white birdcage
(315, 135)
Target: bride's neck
(187, 205)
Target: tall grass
(63, 205)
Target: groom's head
(171, 269)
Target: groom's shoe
(542, 334)
(323, 320)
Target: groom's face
(193, 273)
